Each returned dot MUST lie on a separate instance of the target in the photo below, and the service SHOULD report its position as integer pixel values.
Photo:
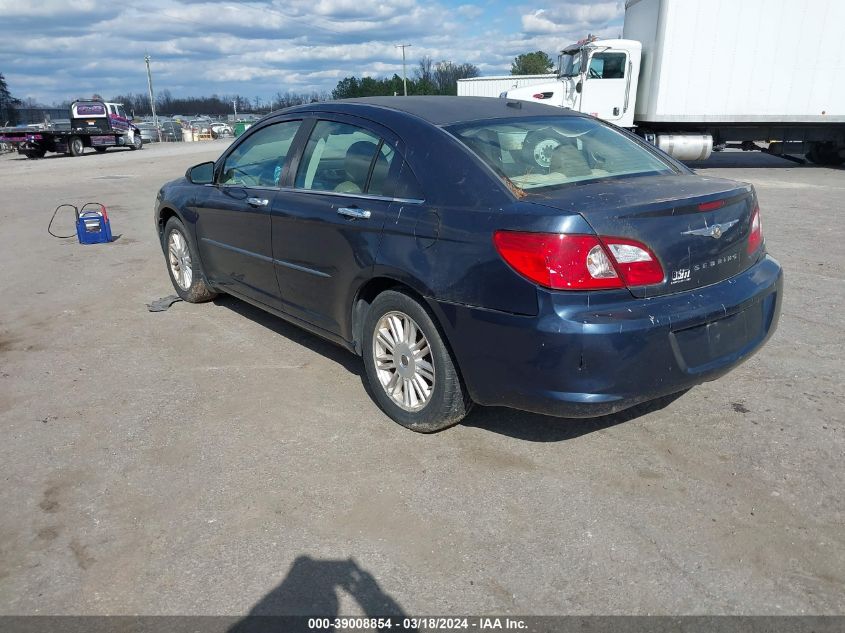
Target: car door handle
(354, 212)
(257, 202)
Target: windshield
(550, 152)
(570, 64)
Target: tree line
(138, 104)
(428, 78)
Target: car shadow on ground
(310, 588)
(531, 427)
(349, 361)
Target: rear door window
(344, 158)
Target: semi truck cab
(599, 77)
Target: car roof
(440, 110)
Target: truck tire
(825, 154)
(75, 146)
(35, 153)
(137, 142)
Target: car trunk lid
(698, 227)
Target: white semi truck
(693, 76)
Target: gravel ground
(212, 459)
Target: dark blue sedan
(478, 250)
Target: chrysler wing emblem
(715, 231)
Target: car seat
(357, 163)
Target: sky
(53, 50)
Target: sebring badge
(715, 231)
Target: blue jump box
(93, 227)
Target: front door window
(259, 160)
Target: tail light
(755, 236)
(578, 262)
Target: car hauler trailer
(96, 124)
(693, 76)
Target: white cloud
(55, 49)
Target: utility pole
(404, 73)
(235, 105)
(152, 97)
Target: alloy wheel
(403, 361)
(179, 258)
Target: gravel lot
(212, 459)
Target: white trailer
(696, 75)
(495, 86)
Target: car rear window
(550, 152)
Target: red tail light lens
(755, 236)
(578, 262)
(635, 262)
(711, 206)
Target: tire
(538, 146)
(100, 150)
(75, 146)
(35, 153)
(408, 370)
(825, 154)
(183, 264)
(137, 142)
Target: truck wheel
(100, 150)
(75, 146)
(824, 154)
(410, 372)
(183, 264)
(137, 142)
(35, 153)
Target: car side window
(345, 158)
(260, 159)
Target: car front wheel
(183, 264)
(410, 371)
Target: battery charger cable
(55, 213)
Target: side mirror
(202, 174)
(578, 87)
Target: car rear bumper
(592, 354)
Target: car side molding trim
(304, 269)
(264, 258)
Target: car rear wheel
(410, 371)
(183, 264)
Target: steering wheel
(247, 179)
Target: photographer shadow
(311, 589)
